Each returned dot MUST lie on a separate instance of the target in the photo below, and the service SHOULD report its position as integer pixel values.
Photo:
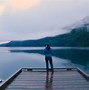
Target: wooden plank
(60, 80)
(53, 89)
(36, 80)
(83, 73)
(9, 80)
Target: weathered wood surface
(60, 80)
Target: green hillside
(78, 37)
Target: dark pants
(49, 61)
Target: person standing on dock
(48, 57)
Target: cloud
(17, 5)
(2, 9)
(29, 19)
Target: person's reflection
(49, 81)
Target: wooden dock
(38, 79)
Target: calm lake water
(11, 59)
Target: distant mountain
(54, 41)
(79, 24)
(77, 37)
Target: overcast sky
(33, 19)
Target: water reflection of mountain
(76, 56)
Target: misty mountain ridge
(77, 37)
(80, 24)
